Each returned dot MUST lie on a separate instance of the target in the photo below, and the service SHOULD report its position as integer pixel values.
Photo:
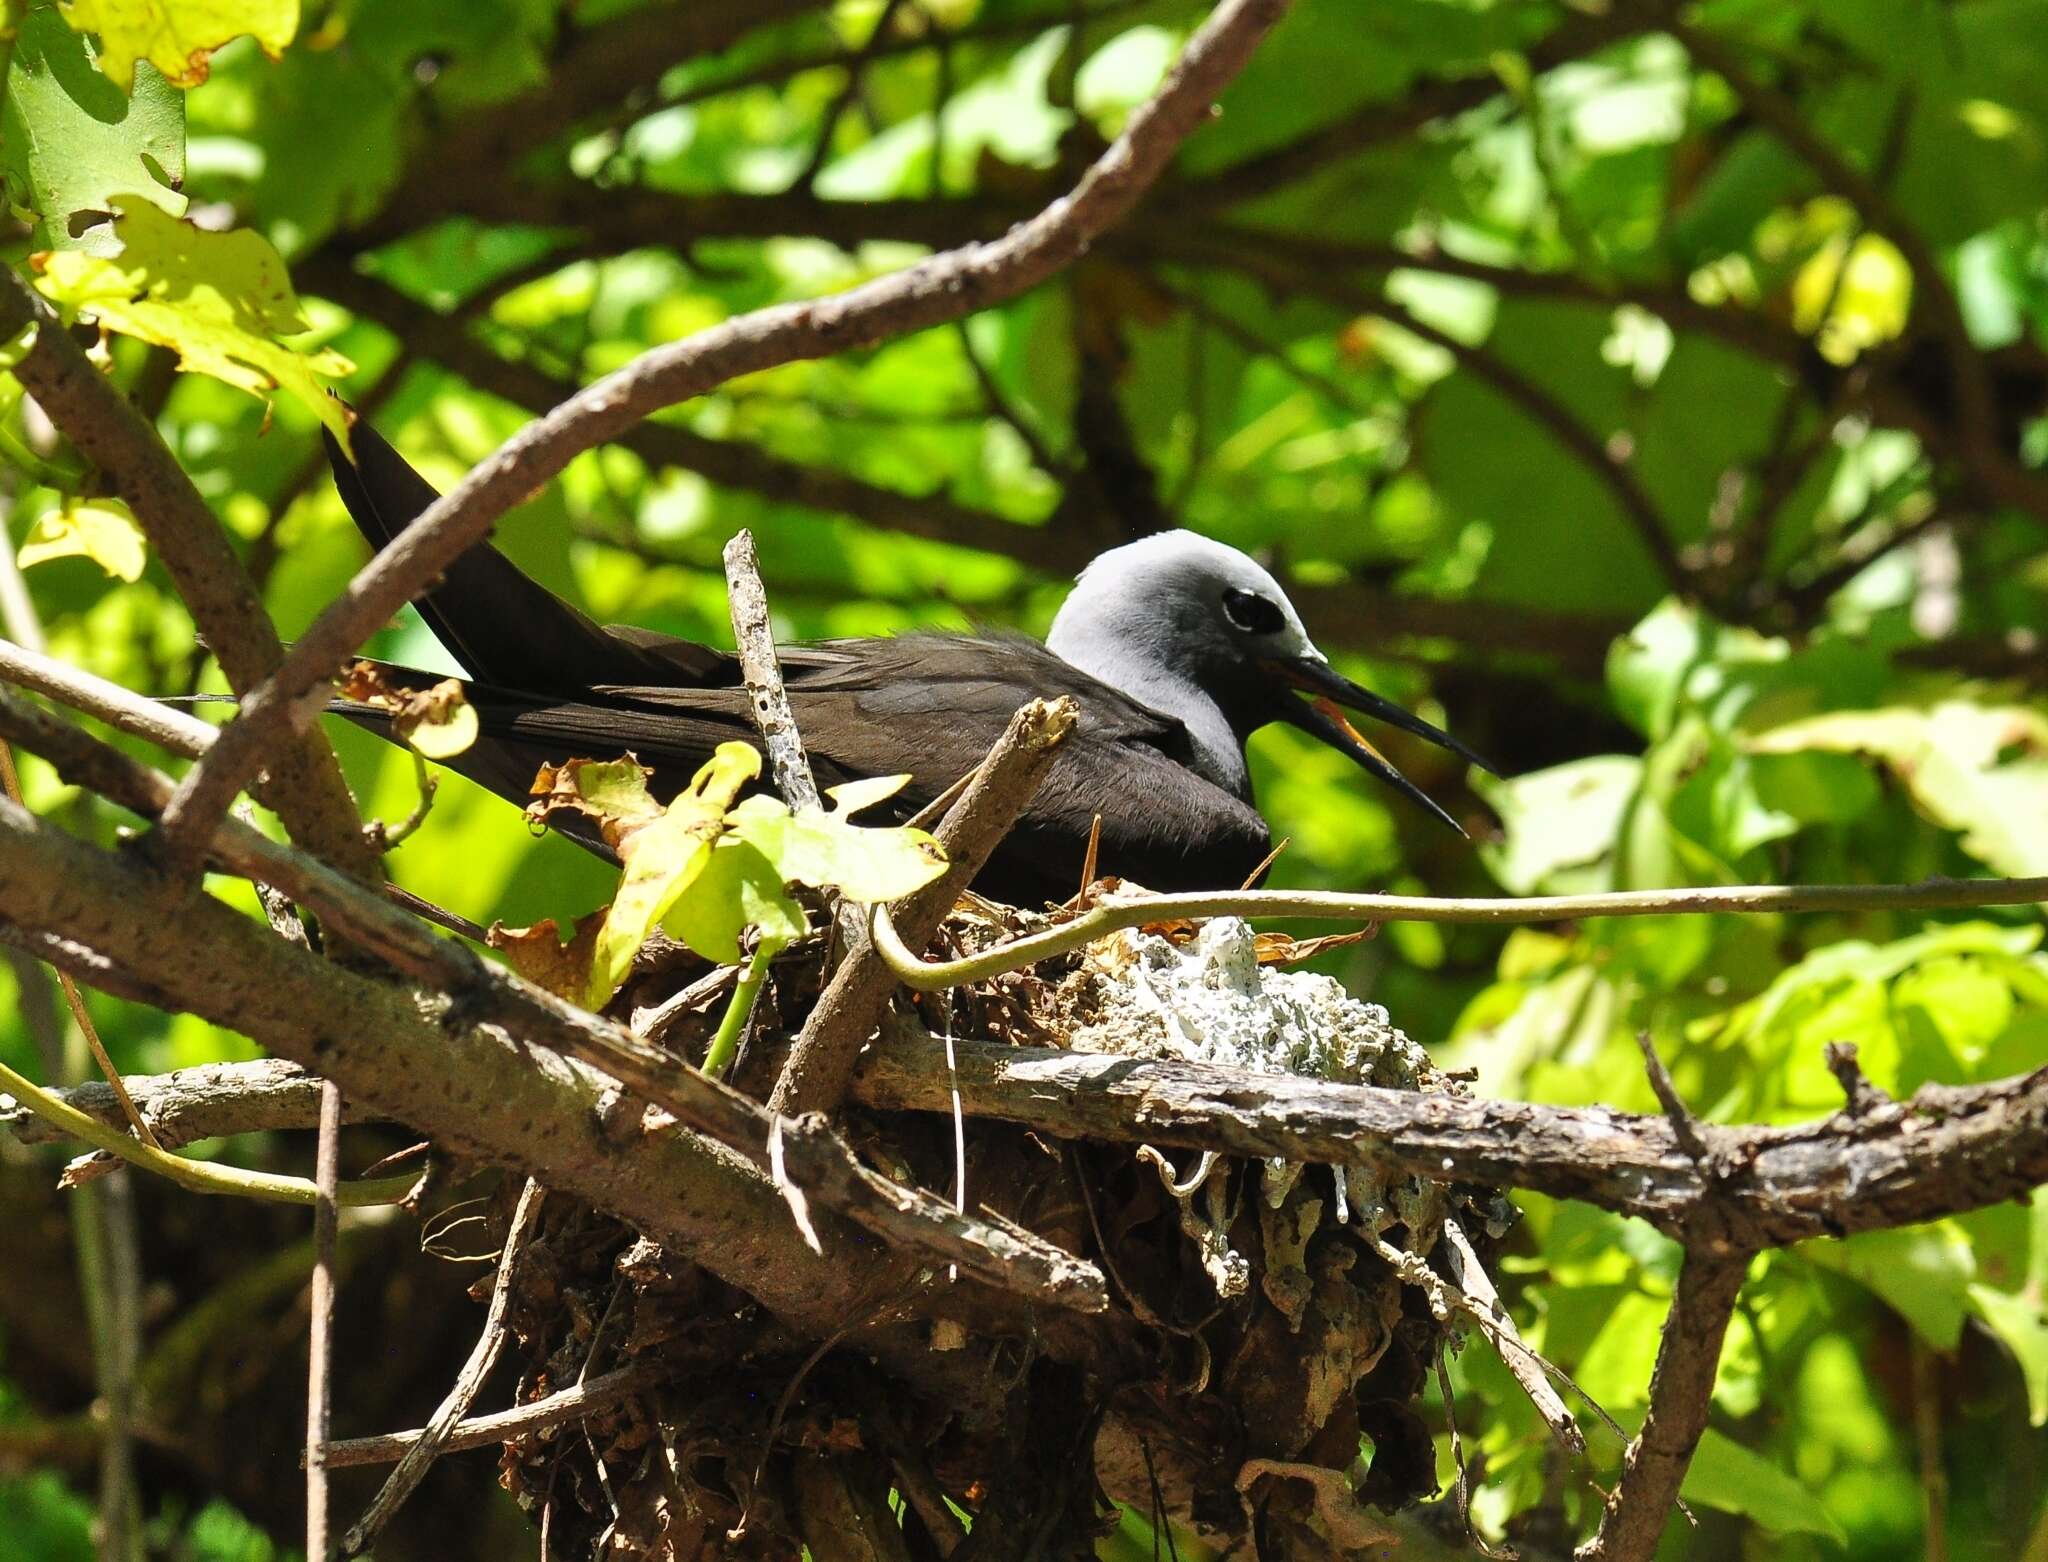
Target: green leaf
(71, 143)
(1923, 1273)
(222, 301)
(102, 530)
(176, 36)
(1725, 1475)
(662, 857)
(663, 850)
(2021, 1324)
(1981, 770)
(1561, 823)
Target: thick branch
(1947, 1149)
(1681, 1391)
(932, 292)
(1793, 1183)
(93, 414)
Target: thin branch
(126, 711)
(730, 463)
(618, 62)
(93, 414)
(193, 1176)
(213, 1100)
(849, 93)
(821, 1061)
(433, 1438)
(320, 1320)
(503, 1426)
(1376, 124)
(755, 635)
(932, 292)
(1128, 911)
(1681, 1392)
(1946, 1149)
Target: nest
(1278, 1321)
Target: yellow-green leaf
(71, 141)
(177, 36)
(221, 301)
(869, 864)
(102, 530)
(739, 888)
(662, 857)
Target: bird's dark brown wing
(931, 706)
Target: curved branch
(1493, 910)
(932, 292)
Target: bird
(1175, 647)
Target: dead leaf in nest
(438, 721)
(538, 953)
(1284, 949)
(1345, 1524)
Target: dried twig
(429, 1444)
(995, 1250)
(755, 634)
(1469, 1277)
(501, 1426)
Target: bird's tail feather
(501, 626)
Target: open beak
(1320, 715)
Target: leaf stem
(1932, 895)
(739, 1008)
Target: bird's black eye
(1253, 613)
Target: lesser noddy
(1176, 647)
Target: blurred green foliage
(1452, 301)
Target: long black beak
(1320, 717)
